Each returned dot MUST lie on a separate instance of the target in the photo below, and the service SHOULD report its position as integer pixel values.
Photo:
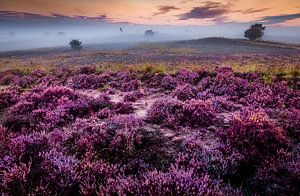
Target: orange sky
(163, 12)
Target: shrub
(263, 97)
(185, 92)
(26, 148)
(278, 176)
(174, 182)
(205, 83)
(289, 120)
(101, 101)
(14, 179)
(84, 81)
(105, 113)
(187, 76)
(62, 172)
(76, 44)
(131, 85)
(123, 108)
(253, 135)
(166, 112)
(45, 109)
(8, 98)
(226, 84)
(168, 83)
(132, 96)
(198, 113)
(222, 104)
(95, 175)
(87, 70)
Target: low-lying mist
(30, 37)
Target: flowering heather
(187, 76)
(222, 104)
(185, 92)
(198, 113)
(289, 120)
(8, 97)
(205, 83)
(222, 133)
(54, 106)
(253, 135)
(92, 81)
(166, 112)
(132, 96)
(123, 108)
(168, 83)
(100, 102)
(131, 85)
(124, 81)
(226, 83)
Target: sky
(155, 12)
(28, 24)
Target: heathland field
(212, 116)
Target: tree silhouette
(255, 31)
(149, 33)
(76, 44)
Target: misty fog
(19, 37)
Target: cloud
(165, 9)
(208, 10)
(12, 16)
(279, 18)
(251, 10)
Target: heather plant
(55, 140)
(168, 83)
(131, 85)
(173, 182)
(187, 76)
(222, 104)
(9, 79)
(205, 83)
(123, 108)
(105, 113)
(226, 83)
(166, 112)
(26, 148)
(278, 176)
(62, 172)
(112, 140)
(253, 135)
(86, 70)
(262, 96)
(289, 120)
(91, 81)
(46, 109)
(198, 113)
(49, 80)
(126, 134)
(185, 92)
(94, 175)
(8, 97)
(124, 81)
(15, 179)
(132, 96)
(101, 101)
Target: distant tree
(255, 31)
(61, 33)
(149, 33)
(76, 44)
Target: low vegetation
(149, 131)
